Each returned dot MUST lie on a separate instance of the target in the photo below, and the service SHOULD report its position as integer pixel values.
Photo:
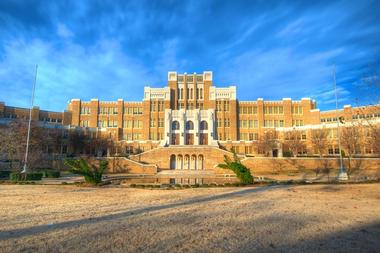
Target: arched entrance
(200, 162)
(179, 165)
(193, 163)
(172, 162)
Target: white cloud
(102, 70)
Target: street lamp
(25, 167)
(342, 175)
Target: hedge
(32, 176)
(51, 173)
(4, 174)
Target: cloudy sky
(112, 49)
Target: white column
(182, 122)
(196, 126)
(168, 126)
(210, 122)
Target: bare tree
(351, 140)
(375, 138)
(294, 142)
(13, 142)
(267, 142)
(11, 145)
(319, 141)
(76, 142)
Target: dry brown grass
(336, 218)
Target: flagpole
(342, 175)
(25, 167)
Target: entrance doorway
(203, 139)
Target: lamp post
(342, 175)
(25, 167)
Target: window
(153, 106)
(112, 110)
(298, 122)
(203, 125)
(189, 125)
(137, 123)
(84, 123)
(226, 106)
(103, 123)
(226, 122)
(85, 110)
(219, 122)
(152, 123)
(112, 123)
(175, 125)
(161, 122)
(127, 124)
(297, 109)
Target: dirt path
(278, 219)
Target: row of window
(334, 119)
(156, 136)
(105, 110)
(219, 122)
(249, 136)
(273, 109)
(297, 109)
(366, 116)
(189, 106)
(248, 109)
(274, 123)
(203, 125)
(114, 110)
(157, 105)
(190, 78)
(132, 124)
(132, 136)
(249, 123)
(190, 93)
(297, 122)
(223, 105)
(153, 123)
(105, 123)
(224, 136)
(113, 123)
(295, 135)
(15, 116)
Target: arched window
(175, 125)
(189, 125)
(204, 125)
(173, 162)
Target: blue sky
(112, 49)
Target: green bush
(287, 153)
(92, 173)
(4, 174)
(31, 176)
(51, 173)
(241, 171)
